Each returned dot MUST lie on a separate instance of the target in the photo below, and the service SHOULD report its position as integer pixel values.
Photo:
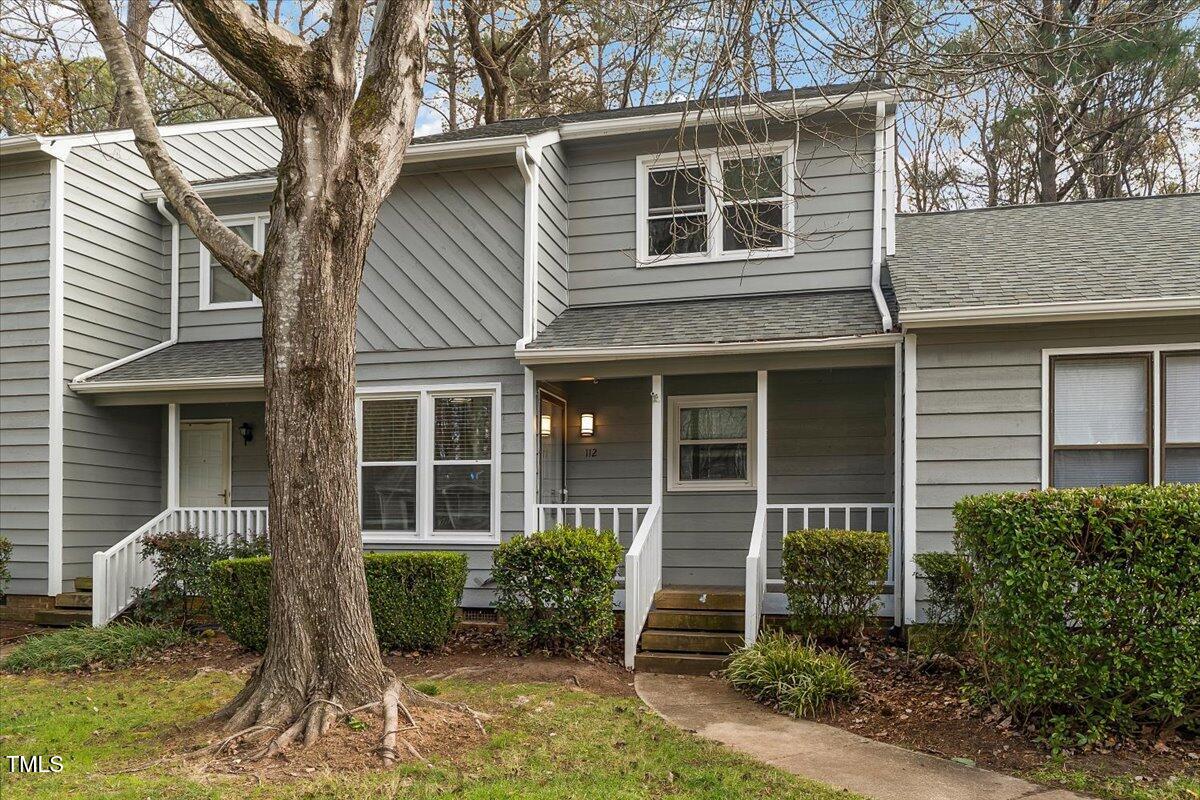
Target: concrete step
(73, 600)
(679, 663)
(83, 584)
(731, 621)
(699, 598)
(62, 618)
(691, 641)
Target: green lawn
(1118, 787)
(559, 744)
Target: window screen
(1100, 410)
(389, 468)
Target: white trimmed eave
(1051, 312)
(177, 384)
(567, 355)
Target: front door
(204, 463)
(552, 423)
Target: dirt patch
(908, 702)
(483, 656)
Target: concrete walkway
(712, 709)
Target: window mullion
(714, 186)
(425, 466)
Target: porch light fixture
(545, 425)
(587, 424)
(247, 432)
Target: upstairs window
(715, 205)
(218, 287)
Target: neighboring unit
(698, 326)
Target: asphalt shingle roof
(222, 359)
(1123, 249)
(758, 318)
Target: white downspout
(174, 334)
(877, 234)
(530, 167)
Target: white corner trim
(898, 562)
(878, 217)
(1052, 311)
(891, 182)
(566, 355)
(1155, 351)
(529, 443)
(55, 385)
(909, 500)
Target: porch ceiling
(185, 364)
(756, 318)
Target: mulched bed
(915, 704)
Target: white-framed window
(428, 460)
(716, 204)
(1121, 415)
(218, 287)
(712, 442)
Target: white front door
(204, 463)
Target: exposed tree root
(269, 712)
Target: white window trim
(677, 403)
(425, 396)
(1155, 352)
(259, 220)
(710, 159)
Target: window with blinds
(427, 464)
(1100, 421)
(712, 442)
(1181, 417)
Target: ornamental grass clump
(832, 579)
(1087, 606)
(785, 673)
(116, 645)
(555, 588)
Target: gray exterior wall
(829, 437)
(25, 364)
(553, 225)
(444, 269)
(835, 185)
(979, 407)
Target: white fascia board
(566, 355)
(1051, 312)
(178, 384)
(698, 116)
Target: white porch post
(530, 447)
(760, 450)
(897, 482)
(172, 455)
(656, 439)
(909, 503)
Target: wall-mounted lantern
(544, 426)
(587, 424)
(247, 432)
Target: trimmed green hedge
(5, 555)
(947, 580)
(1087, 605)
(832, 579)
(556, 588)
(414, 597)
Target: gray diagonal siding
(833, 225)
(444, 268)
(552, 235)
(25, 365)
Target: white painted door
(204, 463)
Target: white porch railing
(616, 517)
(779, 518)
(122, 569)
(643, 577)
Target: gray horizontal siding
(829, 439)
(25, 366)
(979, 407)
(834, 185)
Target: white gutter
(877, 234)
(31, 142)
(567, 355)
(171, 385)
(77, 383)
(1051, 311)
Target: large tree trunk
(321, 653)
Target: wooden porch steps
(691, 630)
(70, 608)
